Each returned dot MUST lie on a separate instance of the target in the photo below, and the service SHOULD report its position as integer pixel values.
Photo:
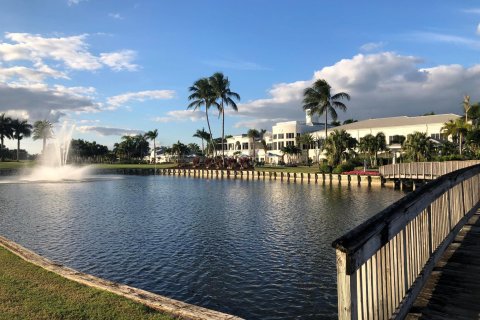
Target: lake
(255, 249)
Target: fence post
(347, 289)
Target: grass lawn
(30, 292)
(134, 166)
(304, 169)
(16, 165)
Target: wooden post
(347, 289)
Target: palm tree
(457, 129)
(202, 95)
(42, 129)
(6, 131)
(339, 146)
(221, 88)
(21, 129)
(204, 135)
(372, 145)
(319, 99)
(253, 134)
(418, 147)
(306, 141)
(153, 135)
(290, 151)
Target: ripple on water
(260, 250)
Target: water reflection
(260, 250)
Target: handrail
(423, 170)
(383, 263)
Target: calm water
(259, 250)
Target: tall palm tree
(21, 129)
(319, 99)
(42, 129)
(339, 146)
(6, 131)
(253, 134)
(221, 88)
(153, 135)
(203, 135)
(202, 95)
(418, 147)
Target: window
(269, 146)
(230, 146)
(245, 146)
(298, 134)
(290, 143)
(274, 136)
(396, 139)
(290, 135)
(281, 145)
(438, 136)
(274, 146)
(280, 136)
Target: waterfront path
(453, 289)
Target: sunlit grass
(30, 292)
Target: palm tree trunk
(154, 152)
(460, 143)
(18, 150)
(326, 111)
(223, 135)
(209, 130)
(44, 143)
(1, 147)
(203, 148)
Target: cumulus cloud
(72, 51)
(181, 116)
(108, 131)
(121, 60)
(121, 99)
(381, 85)
(38, 102)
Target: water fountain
(53, 165)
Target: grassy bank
(30, 292)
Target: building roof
(398, 121)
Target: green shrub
(347, 166)
(325, 168)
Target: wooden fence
(383, 264)
(423, 170)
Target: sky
(120, 67)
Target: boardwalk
(453, 289)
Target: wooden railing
(423, 170)
(383, 263)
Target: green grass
(299, 169)
(134, 166)
(16, 165)
(30, 292)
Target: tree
(6, 131)
(221, 88)
(290, 151)
(194, 149)
(253, 134)
(204, 135)
(21, 129)
(348, 121)
(153, 135)
(372, 145)
(202, 95)
(42, 129)
(339, 146)
(318, 99)
(306, 141)
(264, 144)
(179, 149)
(418, 147)
(457, 129)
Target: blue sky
(121, 67)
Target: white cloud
(472, 10)
(119, 100)
(115, 15)
(121, 60)
(444, 38)
(181, 116)
(381, 85)
(72, 51)
(372, 46)
(21, 74)
(478, 29)
(109, 131)
(38, 102)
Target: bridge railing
(383, 264)
(423, 170)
